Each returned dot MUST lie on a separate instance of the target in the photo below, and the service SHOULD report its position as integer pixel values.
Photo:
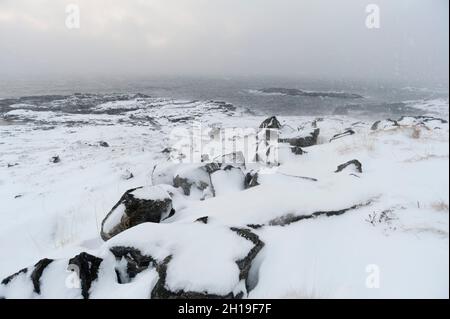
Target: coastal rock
(137, 205)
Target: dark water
(377, 97)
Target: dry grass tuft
(440, 206)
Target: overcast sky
(308, 38)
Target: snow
(204, 257)
(114, 219)
(55, 210)
(227, 181)
(150, 193)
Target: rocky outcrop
(357, 164)
(340, 135)
(384, 124)
(292, 218)
(37, 273)
(136, 206)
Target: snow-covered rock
(148, 261)
(136, 206)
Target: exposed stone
(8, 279)
(292, 218)
(55, 159)
(132, 209)
(354, 162)
(271, 123)
(303, 141)
(340, 135)
(37, 273)
(87, 266)
(251, 179)
(136, 262)
(203, 220)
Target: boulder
(251, 179)
(195, 180)
(137, 205)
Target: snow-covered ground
(379, 233)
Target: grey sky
(308, 38)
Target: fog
(292, 38)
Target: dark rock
(212, 167)
(346, 133)
(355, 162)
(377, 123)
(203, 220)
(37, 273)
(291, 218)
(87, 266)
(55, 159)
(271, 123)
(304, 141)
(246, 263)
(251, 179)
(137, 210)
(103, 144)
(136, 262)
(297, 92)
(8, 279)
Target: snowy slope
(379, 233)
